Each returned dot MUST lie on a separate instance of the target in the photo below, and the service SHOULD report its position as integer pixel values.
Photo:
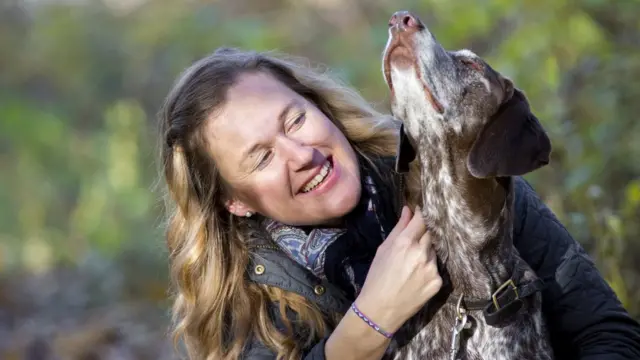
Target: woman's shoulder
(269, 265)
(583, 311)
(528, 206)
(256, 350)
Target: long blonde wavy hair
(216, 309)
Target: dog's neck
(470, 218)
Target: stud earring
(248, 214)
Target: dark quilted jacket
(586, 319)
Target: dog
(471, 132)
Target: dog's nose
(404, 20)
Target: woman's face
(281, 155)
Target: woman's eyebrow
(282, 116)
(287, 109)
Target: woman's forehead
(259, 86)
(254, 101)
(250, 114)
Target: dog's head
(456, 94)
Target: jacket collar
(269, 265)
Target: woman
(287, 212)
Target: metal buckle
(460, 310)
(506, 284)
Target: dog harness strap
(474, 304)
(468, 304)
(507, 304)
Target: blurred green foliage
(81, 82)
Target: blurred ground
(82, 262)
(94, 310)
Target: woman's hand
(403, 275)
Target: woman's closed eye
(297, 121)
(264, 159)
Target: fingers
(431, 265)
(405, 217)
(433, 287)
(426, 241)
(431, 254)
(432, 275)
(416, 227)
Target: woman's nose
(298, 154)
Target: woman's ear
(238, 208)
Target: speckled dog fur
(445, 100)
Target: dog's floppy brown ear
(512, 143)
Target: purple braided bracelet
(369, 322)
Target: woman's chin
(343, 201)
(325, 209)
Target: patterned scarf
(350, 257)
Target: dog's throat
(467, 217)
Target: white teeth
(318, 179)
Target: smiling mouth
(320, 177)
